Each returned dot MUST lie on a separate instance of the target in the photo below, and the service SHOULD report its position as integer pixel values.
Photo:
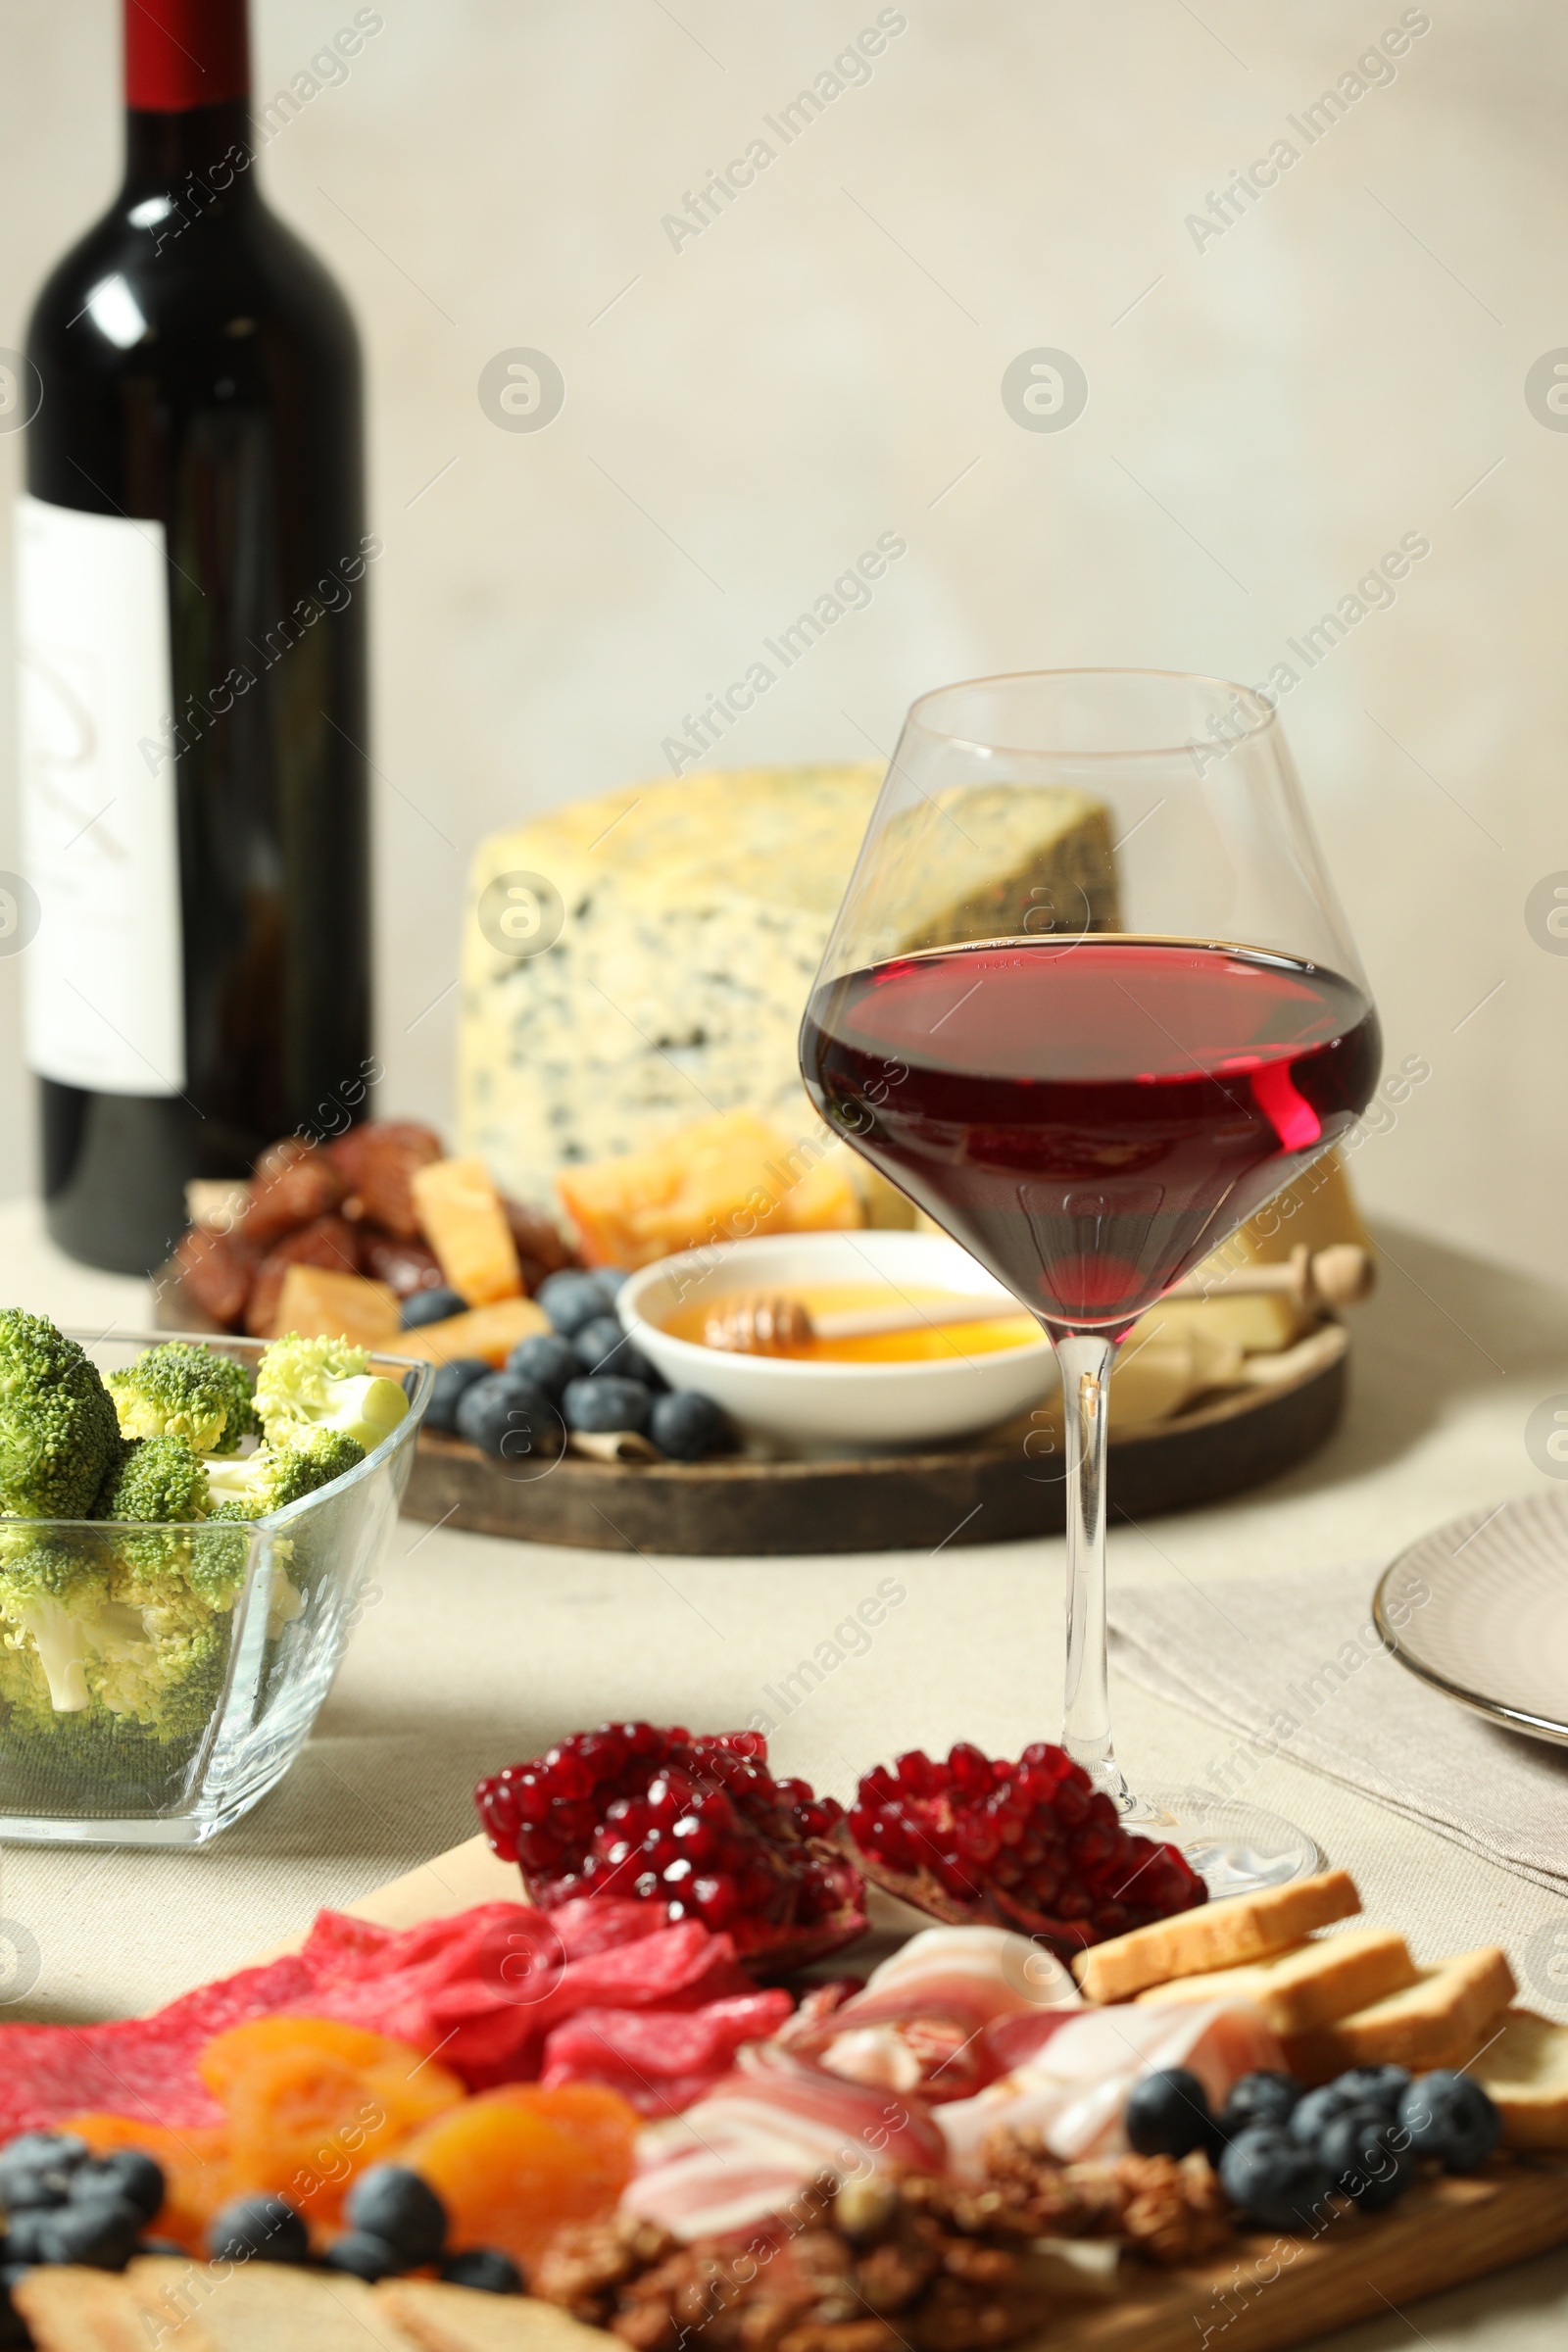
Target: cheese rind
(695, 914)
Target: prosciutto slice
(1073, 2088)
(931, 2019)
(774, 2127)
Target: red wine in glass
(1091, 1121)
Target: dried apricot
(311, 2102)
(513, 2165)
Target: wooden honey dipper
(761, 1323)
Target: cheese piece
(320, 1303)
(461, 1218)
(695, 914)
(723, 1179)
(1312, 1984)
(488, 1331)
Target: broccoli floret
(306, 1384)
(181, 1390)
(275, 1476)
(53, 1593)
(58, 1436)
(159, 1477)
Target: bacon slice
(929, 2019)
(1073, 2090)
(774, 2127)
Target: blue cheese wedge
(693, 918)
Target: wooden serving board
(1266, 2291)
(990, 1491)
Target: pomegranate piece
(1031, 1845)
(698, 1825)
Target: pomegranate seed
(698, 1825)
(1032, 1846)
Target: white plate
(1479, 1609)
(843, 1406)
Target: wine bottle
(193, 566)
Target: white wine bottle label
(105, 975)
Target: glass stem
(1085, 1360)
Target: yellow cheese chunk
(461, 1218)
(320, 1303)
(723, 1179)
(491, 1332)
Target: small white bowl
(844, 1406)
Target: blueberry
(452, 1384)
(686, 1425)
(1271, 2175)
(159, 2245)
(611, 1280)
(432, 1307)
(1314, 2112)
(1167, 2114)
(547, 1359)
(606, 1403)
(570, 1300)
(363, 2255)
(1451, 2117)
(484, 2267)
(258, 2229)
(101, 2232)
(510, 1419)
(34, 2192)
(1368, 2156)
(127, 2173)
(603, 1346)
(36, 2167)
(392, 2203)
(1381, 2086)
(1259, 2099)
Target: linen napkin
(1293, 1666)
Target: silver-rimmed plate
(1479, 1609)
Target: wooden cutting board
(1268, 2292)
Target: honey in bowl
(931, 1342)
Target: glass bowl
(202, 1653)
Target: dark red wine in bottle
(192, 586)
(1090, 1123)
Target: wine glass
(1090, 1002)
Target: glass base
(1235, 1849)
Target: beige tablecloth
(477, 1651)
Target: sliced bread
(1223, 1935)
(1312, 1984)
(455, 2319)
(1526, 2072)
(1441, 2020)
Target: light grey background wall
(1270, 409)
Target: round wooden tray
(986, 1491)
(1007, 1485)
